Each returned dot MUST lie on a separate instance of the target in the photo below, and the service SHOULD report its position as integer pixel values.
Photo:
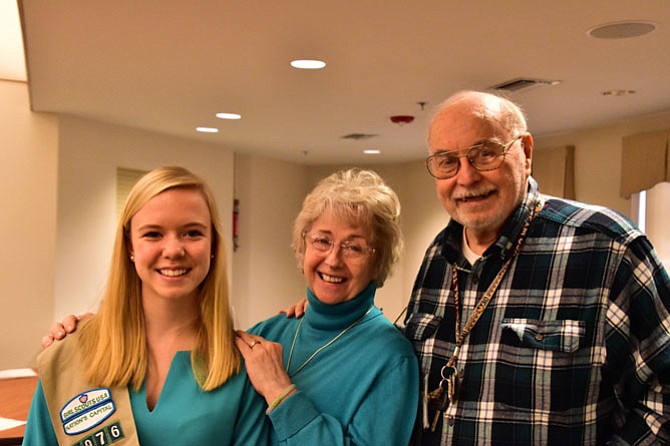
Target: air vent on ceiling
(358, 136)
(522, 84)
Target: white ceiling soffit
(169, 67)
(12, 64)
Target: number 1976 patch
(107, 435)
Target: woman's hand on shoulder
(264, 361)
(59, 330)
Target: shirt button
(539, 337)
(474, 278)
(450, 420)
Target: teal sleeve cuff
(292, 415)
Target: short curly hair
(362, 198)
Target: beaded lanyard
(448, 373)
(488, 295)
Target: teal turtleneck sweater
(361, 389)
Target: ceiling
(169, 66)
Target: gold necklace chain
(295, 337)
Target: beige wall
(266, 276)
(265, 272)
(598, 158)
(598, 167)
(55, 259)
(657, 218)
(28, 180)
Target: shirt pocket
(559, 335)
(546, 366)
(421, 326)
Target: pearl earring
(132, 258)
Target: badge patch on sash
(87, 410)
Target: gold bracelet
(280, 398)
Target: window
(653, 214)
(125, 180)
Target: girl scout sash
(82, 414)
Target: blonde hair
(362, 198)
(114, 341)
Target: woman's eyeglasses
(351, 249)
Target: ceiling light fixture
(372, 151)
(308, 64)
(207, 129)
(228, 116)
(622, 30)
(401, 119)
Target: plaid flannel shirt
(574, 347)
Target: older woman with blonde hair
(342, 374)
(162, 341)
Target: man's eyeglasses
(352, 249)
(488, 155)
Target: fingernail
(59, 333)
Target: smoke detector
(622, 30)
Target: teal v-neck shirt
(233, 414)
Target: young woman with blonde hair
(158, 362)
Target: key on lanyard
(440, 397)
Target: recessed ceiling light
(308, 64)
(622, 30)
(207, 129)
(372, 151)
(228, 116)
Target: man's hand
(297, 310)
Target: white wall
(28, 180)
(89, 153)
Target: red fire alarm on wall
(401, 119)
